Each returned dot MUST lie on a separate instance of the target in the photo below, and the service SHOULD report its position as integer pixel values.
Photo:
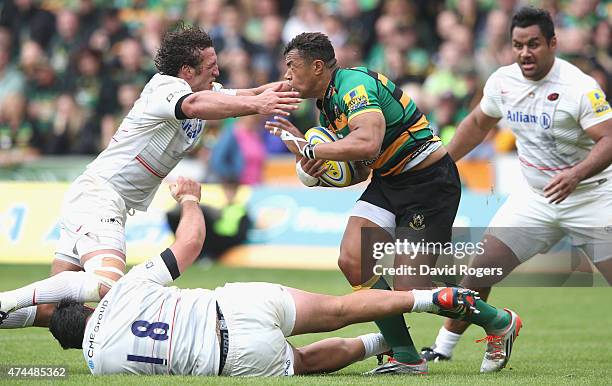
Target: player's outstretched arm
(471, 132)
(363, 143)
(279, 86)
(215, 105)
(191, 231)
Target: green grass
(566, 338)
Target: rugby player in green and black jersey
(414, 191)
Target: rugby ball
(339, 173)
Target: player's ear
(553, 42)
(186, 72)
(318, 66)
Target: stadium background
(71, 69)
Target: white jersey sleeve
(161, 103)
(491, 100)
(162, 269)
(594, 108)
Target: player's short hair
(68, 322)
(313, 46)
(528, 16)
(181, 47)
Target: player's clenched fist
(185, 189)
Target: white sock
(20, 318)
(446, 342)
(423, 301)
(374, 344)
(79, 286)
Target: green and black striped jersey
(354, 91)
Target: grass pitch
(566, 339)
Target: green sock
(396, 333)
(489, 317)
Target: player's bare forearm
(190, 235)
(347, 149)
(210, 105)
(284, 86)
(470, 132)
(363, 143)
(191, 230)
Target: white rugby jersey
(142, 327)
(149, 142)
(548, 117)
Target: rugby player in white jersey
(563, 126)
(240, 329)
(165, 123)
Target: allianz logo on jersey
(192, 127)
(544, 119)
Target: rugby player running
(563, 128)
(414, 191)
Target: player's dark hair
(528, 16)
(181, 47)
(68, 322)
(313, 46)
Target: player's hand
(561, 186)
(284, 86)
(313, 167)
(274, 101)
(279, 124)
(185, 189)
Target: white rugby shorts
(528, 224)
(259, 317)
(92, 217)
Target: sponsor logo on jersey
(544, 120)
(287, 367)
(553, 97)
(598, 102)
(192, 127)
(98, 320)
(356, 98)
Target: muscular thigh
(587, 217)
(361, 243)
(527, 224)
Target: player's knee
(350, 266)
(107, 267)
(43, 315)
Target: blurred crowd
(71, 69)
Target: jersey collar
(329, 92)
(324, 105)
